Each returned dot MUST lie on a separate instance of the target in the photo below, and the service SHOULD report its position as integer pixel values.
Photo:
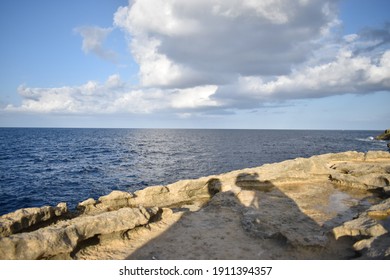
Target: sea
(45, 166)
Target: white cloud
(114, 96)
(195, 42)
(199, 97)
(90, 97)
(345, 74)
(93, 40)
(214, 56)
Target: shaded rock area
(332, 206)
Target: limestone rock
(372, 229)
(362, 227)
(384, 207)
(64, 237)
(25, 218)
(87, 206)
(299, 170)
(376, 156)
(113, 201)
(116, 195)
(368, 224)
(178, 193)
(384, 136)
(377, 247)
(364, 176)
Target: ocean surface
(45, 166)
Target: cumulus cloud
(346, 74)
(215, 56)
(180, 43)
(114, 96)
(93, 40)
(87, 98)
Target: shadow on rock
(254, 220)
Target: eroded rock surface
(63, 238)
(332, 206)
(26, 218)
(371, 230)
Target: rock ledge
(332, 206)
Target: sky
(250, 64)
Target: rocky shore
(332, 206)
(384, 136)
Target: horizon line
(187, 128)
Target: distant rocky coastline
(384, 136)
(331, 206)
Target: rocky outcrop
(384, 136)
(186, 191)
(370, 176)
(29, 217)
(371, 230)
(63, 238)
(327, 206)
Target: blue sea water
(45, 166)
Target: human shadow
(269, 213)
(254, 219)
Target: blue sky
(289, 64)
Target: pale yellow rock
(87, 205)
(368, 224)
(23, 219)
(116, 195)
(64, 237)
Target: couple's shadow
(268, 213)
(253, 220)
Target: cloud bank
(221, 55)
(113, 96)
